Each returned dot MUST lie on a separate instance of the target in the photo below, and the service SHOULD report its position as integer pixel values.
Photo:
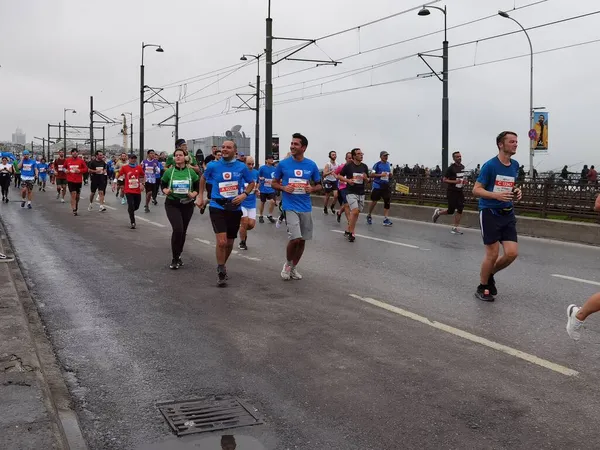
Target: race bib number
(358, 178)
(42, 169)
(228, 189)
(504, 183)
(268, 182)
(385, 176)
(299, 185)
(460, 178)
(61, 168)
(26, 167)
(134, 183)
(100, 170)
(73, 169)
(181, 186)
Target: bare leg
(511, 251)
(489, 260)
(591, 306)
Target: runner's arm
(326, 171)
(597, 205)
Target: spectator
(437, 172)
(564, 174)
(584, 174)
(592, 176)
(521, 175)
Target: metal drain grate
(207, 414)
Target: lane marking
(110, 207)
(580, 280)
(156, 224)
(235, 252)
(470, 337)
(380, 240)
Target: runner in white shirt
(330, 182)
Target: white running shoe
(574, 325)
(295, 275)
(102, 208)
(62, 200)
(286, 272)
(436, 215)
(455, 230)
(90, 208)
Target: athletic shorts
(74, 187)
(225, 221)
(299, 225)
(330, 186)
(497, 226)
(27, 184)
(265, 197)
(381, 193)
(98, 185)
(355, 201)
(61, 181)
(120, 183)
(456, 202)
(149, 186)
(250, 213)
(342, 197)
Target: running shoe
(369, 220)
(574, 325)
(146, 209)
(325, 210)
(179, 262)
(22, 204)
(242, 245)
(455, 230)
(123, 201)
(221, 277)
(90, 208)
(436, 215)
(387, 222)
(102, 208)
(351, 238)
(332, 210)
(270, 219)
(483, 293)
(132, 226)
(29, 206)
(174, 265)
(492, 285)
(339, 217)
(286, 272)
(295, 275)
(261, 219)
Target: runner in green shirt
(17, 173)
(180, 144)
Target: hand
(239, 199)
(166, 191)
(518, 194)
(289, 189)
(141, 188)
(308, 189)
(504, 196)
(365, 176)
(192, 194)
(350, 181)
(200, 202)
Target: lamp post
(445, 102)
(257, 109)
(531, 108)
(65, 126)
(159, 49)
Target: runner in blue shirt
(382, 170)
(267, 193)
(293, 177)
(496, 189)
(29, 172)
(42, 168)
(227, 178)
(248, 206)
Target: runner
(381, 188)
(42, 167)
(99, 179)
(29, 172)
(456, 178)
(577, 315)
(330, 182)
(151, 168)
(76, 167)
(86, 174)
(17, 173)
(495, 187)
(60, 165)
(51, 172)
(118, 181)
(213, 156)
(292, 177)
(354, 174)
(189, 159)
(181, 185)
(248, 206)
(156, 186)
(342, 192)
(6, 170)
(267, 193)
(225, 176)
(133, 178)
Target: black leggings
(5, 184)
(133, 204)
(17, 179)
(155, 188)
(179, 215)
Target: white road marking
(580, 280)
(235, 252)
(470, 337)
(110, 207)
(156, 224)
(380, 240)
(204, 242)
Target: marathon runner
(60, 165)
(577, 315)
(190, 160)
(156, 186)
(248, 206)
(51, 172)
(76, 167)
(267, 193)
(99, 179)
(151, 168)
(29, 172)
(342, 192)
(118, 181)
(381, 188)
(133, 178)
(6, 171)
(293, 177)
(355, 174)
(225, 176)
(17, 173)
(330, 182)
(212, 157)
(456, 178)
(42, 167)
(181, 185)
(495, 187)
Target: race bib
(42, 169)
(26, 167)
(460, 178)
(100, 170)
(73, 169)
(268, 182)
(134, 183)
(358, 178)
(228, 189)
(299, 185)
(504, 183)
(181, 186)
(60, 168)
(385, 176)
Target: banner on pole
(540, 143)
(275, 148)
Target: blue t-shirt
(299, 174)
(381, 182)
(226, 178)
(250, 201)
(267, 173)
(28, 170)
(496, 177)
(42, 169)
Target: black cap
(179, 143)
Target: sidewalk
(35, 410)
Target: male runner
(190, 160)
(267, 193)
(292, 177)
(355, 174)
(342, 192)
(42, 168)
(330, 182)
(76, 167)
(17, 172)
(151, 168)
(161, 169)
(133, 178)
(29, 172)
(576, 315)
(119, 164)
(225, 176)
(381, 188)
(456, 178)
(495, 187)
(99, 179)
(248, 206)
(213, 156)
(60, 165)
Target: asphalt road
(351, 357)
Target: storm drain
(207, 414)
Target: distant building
(205, 144)
(18, 137)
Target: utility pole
(48, 142)
(142, 90)
(268, 87)
(176, 121)
(91, 126)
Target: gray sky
(55, 54)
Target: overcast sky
(55, 54)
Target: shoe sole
(483, 299)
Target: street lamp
(445, 102)
(65, 126)
(159, 49)
(531, 109)
(257, 109)
(130, 128)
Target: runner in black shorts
(456, 179)
(496, 190)
(98, 179)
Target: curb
(58, 398)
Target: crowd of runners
(229, 185)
